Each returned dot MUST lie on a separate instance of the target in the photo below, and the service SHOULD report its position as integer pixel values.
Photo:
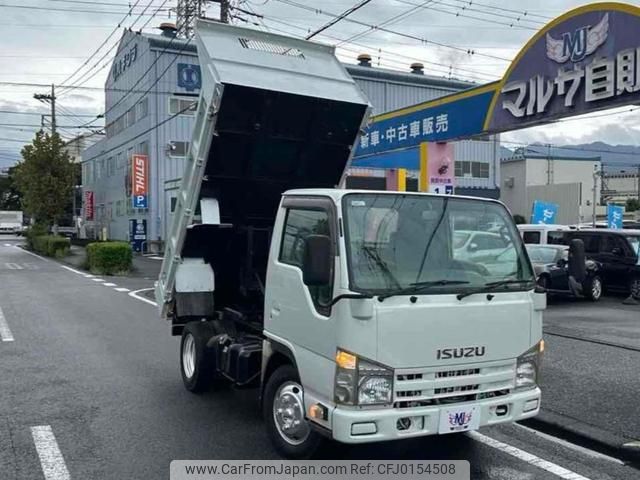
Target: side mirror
(473, 247)
(316, 262)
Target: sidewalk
(145, 267)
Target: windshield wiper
(374, 255)
(487, 287)
(418, 287)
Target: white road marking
(88, 275)
(72, 270)
(31, 253)
(109, 284)
(13, 266)
(135, 295)
(97, 279)
(157, 258)
(5, 333)
(573, 446)
(121, 289)
(7, 244)
(51, 458)
(527, 457)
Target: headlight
(528, 367)
(361, 382)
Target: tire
(284, 392)
(197, 364)
(593, 288)
(634, 288)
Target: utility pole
(224, 11)
(51, 99)
(596, 174)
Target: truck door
(297, 312)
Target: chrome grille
(435, 386)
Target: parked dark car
(551, 266)
(617, 252)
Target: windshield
(397, 241)
(545, 254)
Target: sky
(71, 43)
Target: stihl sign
(88, 205)
(140, 180)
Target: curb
(585, 435)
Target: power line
(340, 17)
(424, 41)
(378, 50)
(389, 21)
(15, 112)
(67, 10)
(468, 6)
(82, 80)
(525, 13)
(102, 44)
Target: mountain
(615, 158)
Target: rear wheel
(196, 360)
(284, 415)
(593, 288)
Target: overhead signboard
(544, 212)
(585, 60)
(615, 214)
(140, 180)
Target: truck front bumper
(373, 425)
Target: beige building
(529, 174)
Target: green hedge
(34, 231)
(50, 245)
(109, 258)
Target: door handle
(275, 311)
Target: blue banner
(614, 216)
(457, 116)
(544, 212)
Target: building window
(466, 169)
(182, 106)
(178, 149)
(131, 117)
(120, 160)
(119, 208)
(142, 108)
(111, 166)
(143, 148)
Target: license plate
(459, 419)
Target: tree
(519, 219)
(10, 198)
(45, 178)
(633, 204)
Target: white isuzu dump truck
(356, 315)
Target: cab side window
(299, 224)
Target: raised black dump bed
(275, 113)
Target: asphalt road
(91, 379)
(591, 367)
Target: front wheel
(284, 415)
(593, 288)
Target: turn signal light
(346, 360)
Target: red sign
(140, 180)
(88, 205)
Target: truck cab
(351, 313)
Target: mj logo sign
(578, 44)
